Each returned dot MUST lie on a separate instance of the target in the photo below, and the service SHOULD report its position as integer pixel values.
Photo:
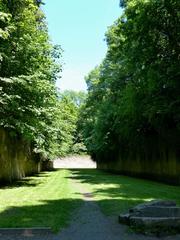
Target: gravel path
(89, 223)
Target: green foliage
(5, 28)
(133, 96)
(25, 103)
(29, 64)
(77, 98)
(69, 105)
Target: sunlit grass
(46, 200)
(49, 199)
(116, 194)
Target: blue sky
(79, 27)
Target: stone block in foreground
(154, 217)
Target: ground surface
(94, 198)
(91, 224)
(45, 200)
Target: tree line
(31, 107)
(133, 102)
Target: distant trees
(134, 95)
(69, 138)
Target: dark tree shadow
(124, 192)
(52, 213)
(55, 214)
(25, 182)
(118, 194)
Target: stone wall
(16, 158)
(164, 166)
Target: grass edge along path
(50, 198)
(117, 193)
(45, 200)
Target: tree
(28, 70)
(67, 114)
(134, 95)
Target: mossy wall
(164, 166)
(16, 158)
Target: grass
(45, 200)
(116, 194)
(49, 199)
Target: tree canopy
(30, 105)
(134, 94)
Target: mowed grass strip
(116, 193)
(45, 200)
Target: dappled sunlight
(52, 213)
(33, 181)
(52, 203)
(116, 193)
(48, 202)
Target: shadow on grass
(123, 192)
(113, 193)
(32, 181)
(51, 213)
(55, 214)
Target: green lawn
(45, 200)
(115, 193)
(48, 199)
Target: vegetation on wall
(134, 94)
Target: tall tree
(134, 96)
(28, 72)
